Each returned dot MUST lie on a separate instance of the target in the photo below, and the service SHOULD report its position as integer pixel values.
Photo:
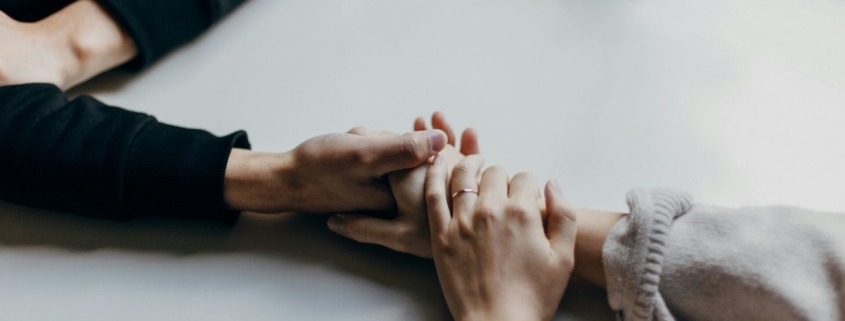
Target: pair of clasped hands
(501, 252)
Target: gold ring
(465, 190)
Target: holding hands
(409, 231)
(494, 258)
(498, 254)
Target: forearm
(97, 42)
(84, 157)
(87, 41)
(593, 228)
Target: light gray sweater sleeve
(670, 259)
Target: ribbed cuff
(633, 253)
(179, 172)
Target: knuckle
(524, 176)
(485, 216)
(359, 231)
(412, 149)
(444, 246)
(441, 242)
(567, 261)
(360, 156)
(358, 130)
(518, 211)
(486, 209)
(495, 169)
(466, 229)
(432, 197)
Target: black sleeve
(32, 10)
(159, 26)
(156, 26)
(86, 158)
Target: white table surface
(737, 102)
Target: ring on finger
(463, 191)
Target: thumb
(363, 228)
(561, 225)
(406, 151)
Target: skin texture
(64, 49)
(328, 173)
(495, 259)
(409, 231)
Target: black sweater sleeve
(159, 26)
(83, 157)
(156, 26)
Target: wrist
(258, 182)
(593, 228)
(493, 315)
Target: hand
(409, 231)
(66, 48)
(493, 257)
(329, 173)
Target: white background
(738, 102)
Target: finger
(494, 183)
(541, 204)
(387, 133)
(362, 131)
(389, 154)
(438, 121)
(364, 229)
(419, 124)
(469, 142)
(464, 177)
(523, 187)
(436, 196)
(561, 229)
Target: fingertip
(438, 115)
(419, 124)
(437, 140)
(556, 187)
(438, 121)
(469, 142)
(555, 201)
(336, 224)
(549, 191)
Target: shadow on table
(110, 81)
(302, 238)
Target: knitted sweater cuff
(179, 172)
(634, 250)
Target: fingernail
(336, 224)
(437, 140)
(556, 186)
(437, 159)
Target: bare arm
(65, 49)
